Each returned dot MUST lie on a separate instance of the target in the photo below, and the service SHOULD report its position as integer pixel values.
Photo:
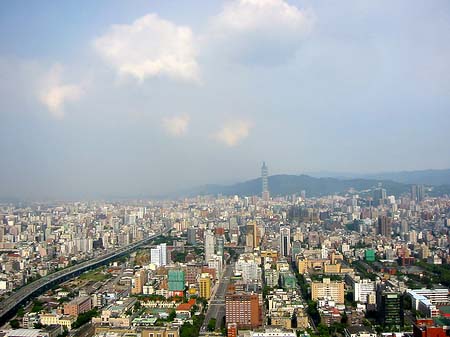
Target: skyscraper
(209, 242)
(192, 235)
(220, 242)
(265, 182)
(158, 255)
(285, 241)
(379, 196)
(384, 226)
(417, 193)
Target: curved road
(12, 303)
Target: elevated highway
(9, 306)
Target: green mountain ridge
(281, 185)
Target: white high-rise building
(158, 255)
(249, 269)
(209, 244)
(362, 289)
(163, 249)
(216, 262)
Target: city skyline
(91, 106)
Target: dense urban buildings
(356, 264)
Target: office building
(427, 301)
(328, 289)
(417, 193)
(205, 286)
(220, 244)
(384, 226)
(362, 289)
(159, 255)
(390, 307)
(243, 309)
(176, 280)
(138, 282)
(192, 236)
(78, 306)
(209, 241)
(379, 196)
(285, 241)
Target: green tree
(37, 306)
(84, 318)
(172, 315)
(21, 312)
(211, 324)
(14, 324)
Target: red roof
(186, 306)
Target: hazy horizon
(102, 99)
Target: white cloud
(148, 47)
(233, 133)
(176, 125)
(267, 31)
(248, 15)
(55, 94)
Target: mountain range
(425, 177)
(397, 183)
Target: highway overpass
(9, 306)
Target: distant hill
(281, 185)
(426, 177)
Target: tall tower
(265, 182)
(285, 241)
(209, 243)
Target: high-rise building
(417, 193)
(209, 244)
(140, 279)
(220, 242)
(384, 226)
(176, 280)
(253, 235)
(362, 289)
(192, 236)
(163, 247)
(404, 228)
(216, 262)
(379, 196)
(158, 255)
(78, 306)
(265, 181)
(390, 307)
(243, 309)
(285, 241)
(328, 289)
(205, 286)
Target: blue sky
(115, 98)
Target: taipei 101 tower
(265, 182)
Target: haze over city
(224, 168)
(112, 98)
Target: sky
(112, 98)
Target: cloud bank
(149, 47)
